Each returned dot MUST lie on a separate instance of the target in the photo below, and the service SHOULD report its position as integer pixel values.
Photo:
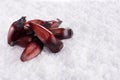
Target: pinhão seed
(16, 31)
(32, 50)
(24, 41)
(47, 38)
(62, 33)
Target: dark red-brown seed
(32, 50)
(46, 24)
(28, 28)
(47, 37)
(37, 21)
(16, 31)
(24, 41)
(62, 33)
(55, 24)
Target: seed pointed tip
(60, 21)
(11, 43)
(23, 17)
(23, 59)
(70, 32)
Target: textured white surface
(92, 54)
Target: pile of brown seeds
(34, 34)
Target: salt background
(93, 53)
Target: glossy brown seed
(16, 31)
(55, 24)
(32, 50)
(37, 21)
(52, 23)
(46, 24)
(47, 37)
(62, 33)
(24, 41)
(28, 28)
